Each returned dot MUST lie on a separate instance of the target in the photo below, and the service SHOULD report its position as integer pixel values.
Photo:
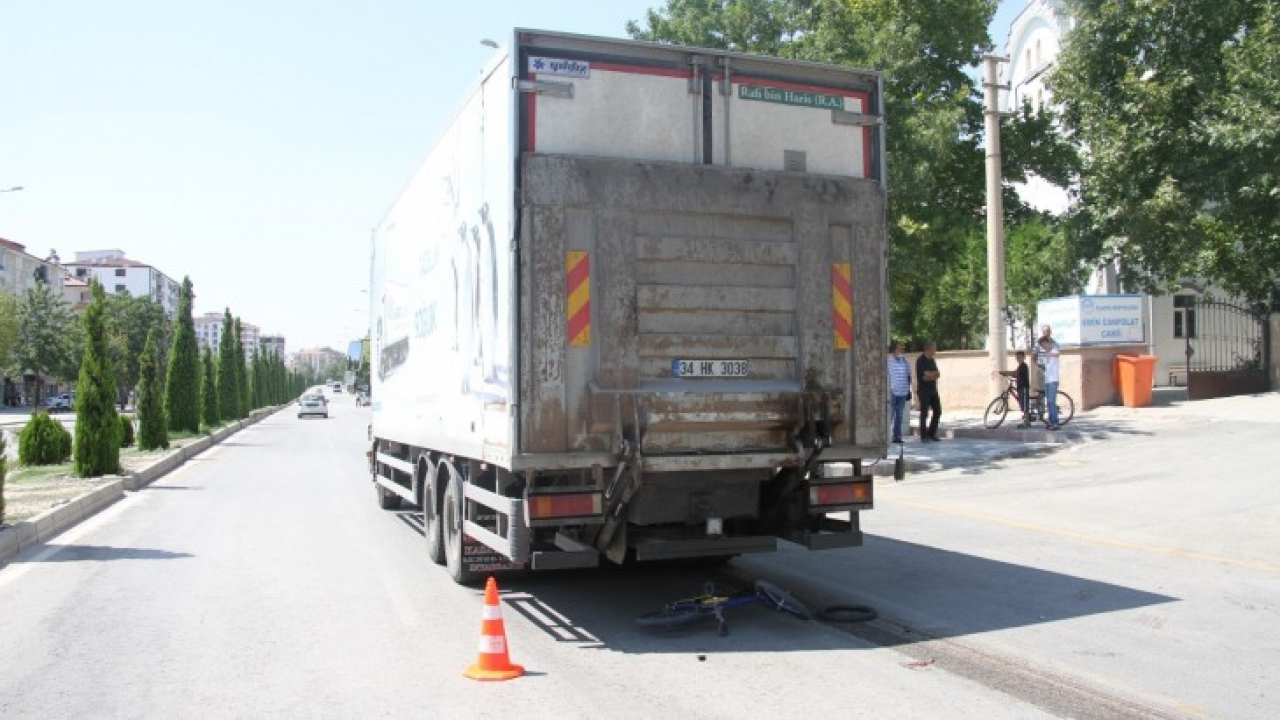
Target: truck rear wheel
(431, 526)
(451, 522)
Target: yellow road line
(1084, 537)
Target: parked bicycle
(1035, 410)
(710, 605)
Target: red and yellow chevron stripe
(578, 292)
(842, 303)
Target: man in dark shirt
(1022, 384)
(927, 385)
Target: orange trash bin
(1135, 378)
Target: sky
(251, 145)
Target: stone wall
(1087, 374)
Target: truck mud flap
(654, 549)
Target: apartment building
(209, 334)
(118, 274)
(272, 345)
(318, 359)
(21, 271)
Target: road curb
(1015, 450)
(54, 521)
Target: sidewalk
(967, 443)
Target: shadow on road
(104, 553)
(943, 594)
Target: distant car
(58, 403)
(313, 405)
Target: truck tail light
(854, 494)
(586, 506)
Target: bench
(1177, 370)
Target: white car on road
(313, 404)
(57, 403)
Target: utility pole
(995, 222)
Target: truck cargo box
(653, 276)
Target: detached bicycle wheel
(996, 413)
(782, 600)
(674, 615)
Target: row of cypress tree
(196, 390)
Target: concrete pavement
(967, 443)
(20, 535)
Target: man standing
(1047, 353)
(927, 385)
(899, 387)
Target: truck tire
(451, 525)
(432, 529)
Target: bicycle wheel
(996, 412)
(1066, 408)
(674, 615)
(782, 600)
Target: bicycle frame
(711, 605)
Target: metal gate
(1228, 350)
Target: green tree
(1178, 105)
(228, 390)
(128, 320)
(9, 328)
(43, 441)
(242, 373)
(209, 391)
(153, 427)
(1042, 260)
(96, 450)
(182, 386)
(260, 379)
(49, 337)
(280, 391)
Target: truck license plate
(709, 368)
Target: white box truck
(634, 304)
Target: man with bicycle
(1022, 386)
(1047, 354)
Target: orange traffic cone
(493, 663)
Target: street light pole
(15, 188)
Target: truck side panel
(442, 286)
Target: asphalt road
(1126, 578)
